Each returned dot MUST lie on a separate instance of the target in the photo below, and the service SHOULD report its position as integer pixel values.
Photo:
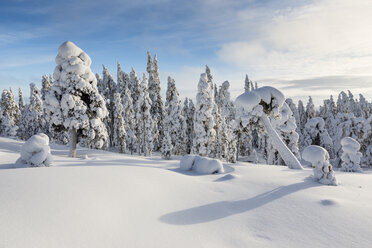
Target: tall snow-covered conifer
(74, 100)
(10, 114)
(119, 128)
(205, 134)
(157, 107)
(176, 123)
(144, 120)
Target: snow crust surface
(114, 200)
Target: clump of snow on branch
(35, 152)
(350, 155)
(201, 165)
(319, 158)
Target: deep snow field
(116, 200)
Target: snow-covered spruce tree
(122, 80)
(350, 155)
(157, 107)
(10, 114)
(343, 103)
(120, 134)
(176, 122)
(188, 112)
(316, 134)
(328, 113)
(310, 109)
(74, 100)
(247, 84)
(21, 100)
(130, 120)
(108, 94)
(32, 121)
(144, 120)
(224, 102)
(319, 159)
(46, 84)
(101, 87)
(302, 116)
(295, 113)
(261, 104)
(215, 150)
(205, 134)
(167, 147)
(134, 87)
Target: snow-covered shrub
(35, 152)
(260, 105)
(350, 155)
(319, 158)
(201, 165)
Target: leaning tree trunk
(289, 158)
(73, 141)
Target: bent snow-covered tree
(74, 100)
(260, 104)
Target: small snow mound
(328, 202)
(225, 178)
(201, 165)
(35, 152)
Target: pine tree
(247, 84)
(167, 147)
(310, 109)
(46, 84)
(74, 100)
(224, 102)
(32, 121)
(21, 100)
(302, 116)
(157, 107)
(176, 123)
(130, 120)
(188, 112)
(120, 134)
(205, 134)
(122, 80)
(144, 120)
(108, 94)
(10, 114)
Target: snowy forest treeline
(128, 114)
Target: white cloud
(319, 39)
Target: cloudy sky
(303, 47)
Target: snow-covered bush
(201, 165)
(319, 158)
(260, 105)
(35, 152)
(350, 155)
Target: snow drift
(201, 165)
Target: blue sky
(302, 47)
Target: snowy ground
(114, 200)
